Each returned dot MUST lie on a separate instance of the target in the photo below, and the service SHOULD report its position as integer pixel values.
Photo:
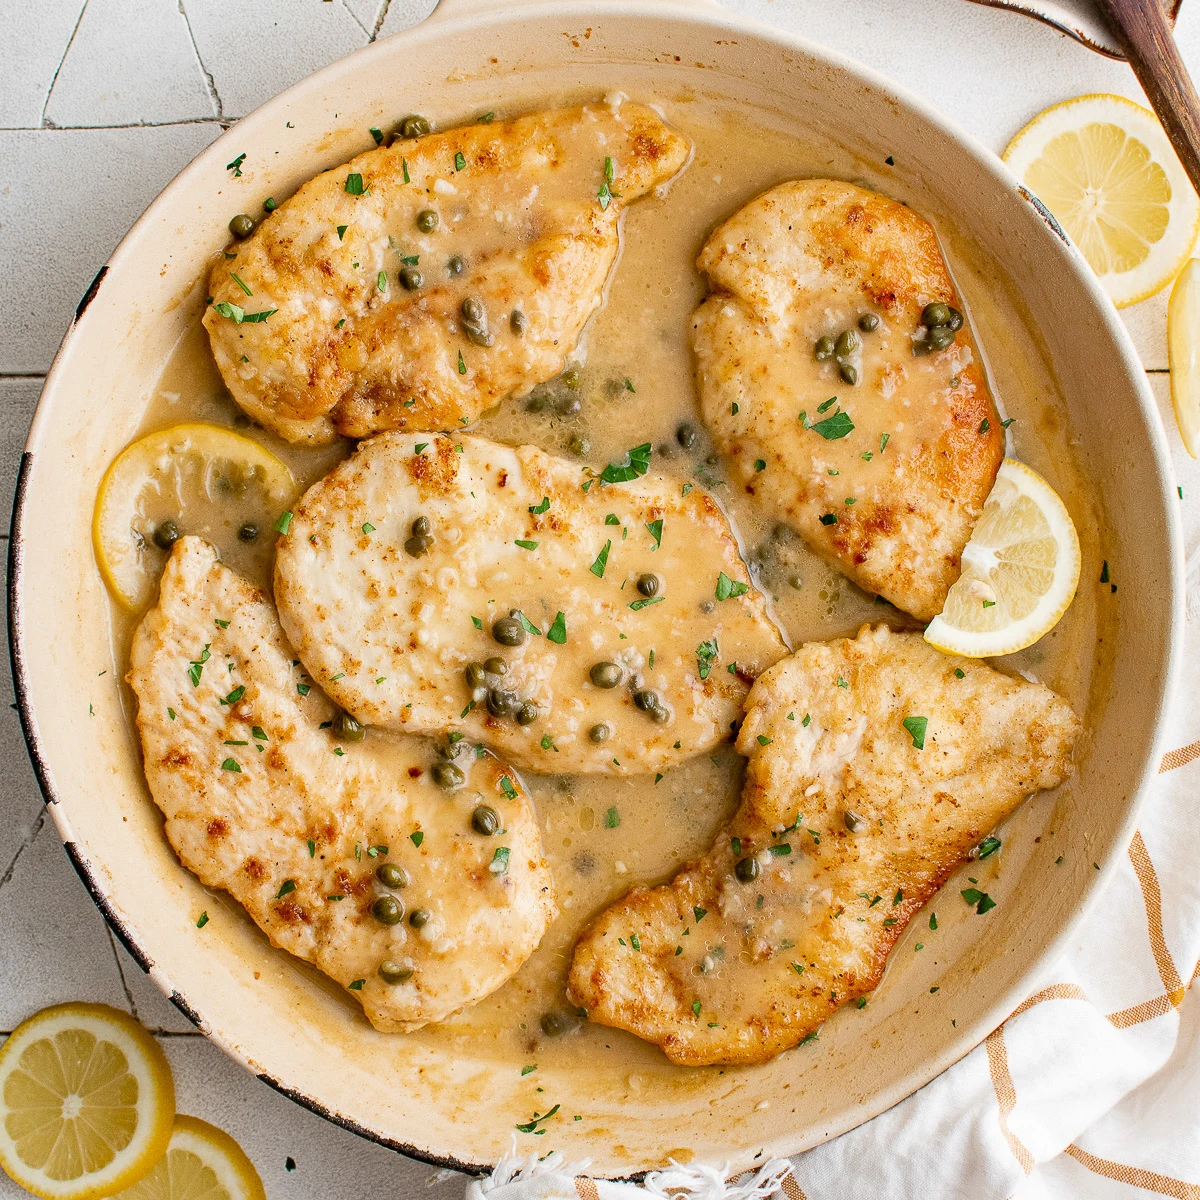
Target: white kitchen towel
(1090, 1090)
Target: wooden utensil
(1144, 35)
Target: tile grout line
(351, 14)
(214, 96)
(67, 50)
(26, 842)
(121, 972)
(379, 20)
(222, 121)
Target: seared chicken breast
(572, 620)
(876, 765)
(328, 842)
(421, 283)
(878, 444)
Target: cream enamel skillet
(460, 1107)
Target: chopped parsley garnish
(381, 281)
(984, 425)
(460, 162)
(656, 529)
(988, 846)
(532, 1125)
(477, 622)
(240, 282)
(548, 743)
(883, 441)
(727, 587)
(917, 726)
(528, 1070)
(612, 818)
(760, 464)
(416, 838)
(807, 719)
(234, 696)
(836, 426)
(798, 968)
(828, 518)
(638, 605)
(558, 630)
(842, 683)
(527, 624)
(695, 1008)
(597, 568)
(637, 465)
(959, 673)
(605, 194)
(377, 134)
(462, 366)
(341, 231)
(203, 920)
(1104, 576)
(312, 848)
(525, 544)
(629, 385)
(239, 316)
(354, 184)
(1007, 423)
(220, 624)
(706, 655)
(540, 508)
(507, 788)
(982, 901)
(236, 166)
(303, 688)
(612, 519)
(288, 885)
(357, 985)
(499, 863)
(781, 850)
(486, 119)
(420, 446)
(404, 168)
(197, 666)
(284, 522)
(933, 920)
(171, 713)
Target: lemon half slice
(201, 1163)
(1019, 570)
(206, 476)
(1104, 167)
(86, 1102)
(1183, 344)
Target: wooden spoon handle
(1142, 28)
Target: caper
(868, 322)
(414, 127)
(166, 534)
(508, 631)
(956, 319)
(527, 713)
(447, 776)
(455, 265)
(473, 311)
(572, 379)
(411, 278)
(554, 1024)
(568, 406)
(501, 703)
(794, 581)
(518, 322)
(660, 715)
(599, 733)
(475, 675)
(685, 435)
(854, 822)
(394, 972)
(539, 400)
(392, 876)
(747, 869)
(646, 700)
(606, 674)
(939, 338)
(579, 445)
(848, 372)
(848, 342)
(427, 220)
(388, 910)
(706, 606)
(417, 545)
(421, 527)
(485, 820)
(496, 666)
(419, 917)
(480, 337)
(241, 226)
(935, 314)
(648, 584)
(347, 729)
(248, 532)
(823, 348)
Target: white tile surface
(66, 197)
(35, 38)
(107, 78)
(254, 50)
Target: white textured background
(101, 103)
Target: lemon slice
(1183, 343)
(204, 478)
(1103, 166)
(1019, 570)
(201, 1163)
(86, 1102)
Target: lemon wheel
(1104, 167)
(86, 1102)
(1019, 570)
(217, 476)
(202, 1162)
(1183, 341)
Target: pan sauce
(603, 835)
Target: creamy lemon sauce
(603, 835)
